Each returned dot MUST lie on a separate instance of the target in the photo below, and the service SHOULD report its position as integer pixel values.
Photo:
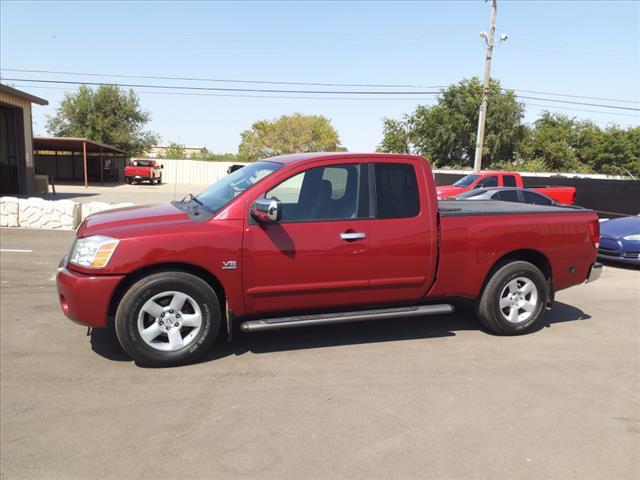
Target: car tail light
(594, 232)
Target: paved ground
(116, 193)
(419, 398)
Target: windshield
(466, 181)
(226, 189)
(142, 163)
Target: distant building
(17, 173)
(160, 150)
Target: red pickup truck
(143, 170)
(313, 239)
(565, 195)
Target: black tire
(126, 320)
(159, 180)
(129, 181)
(489, 311)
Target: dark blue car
(620, 240)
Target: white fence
(198, 172)
(201, 172)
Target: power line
(537, 106)
(575, 96)
(272, 82)
(292, 97)
(305, 92)
(529, 104)
(220, 80)
(245, 96)
(225, 89)
(635, 109)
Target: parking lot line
(15, 250)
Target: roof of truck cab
(306, 157)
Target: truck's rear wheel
(513, 299)
(129, 181)
(167, 319)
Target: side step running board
(343, 317)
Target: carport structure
(68, 158)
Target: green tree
(552, 144)
(396, 136)
(446, 132)
(617, 152)
(561, 143)
(108, 115)
(174, 150)
(289, 134)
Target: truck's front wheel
(167, 319)
(513, 299)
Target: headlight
(93, 252)
(634, 236)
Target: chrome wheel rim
(518, 300)
(169, 321)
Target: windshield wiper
(189, 198)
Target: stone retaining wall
(48, 214)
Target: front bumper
(594, 272)
(620, 258)
(85, 298)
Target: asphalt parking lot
(419, 398)
(122, 192)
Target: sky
(586, 48)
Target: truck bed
(469, 247)
(466, 208)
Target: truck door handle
(348, 236)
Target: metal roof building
(78, 159)
(16, 141)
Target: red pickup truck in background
(143, 170)
(565, 195)
(315, 239)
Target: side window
(397, 194)
(288, 192)
(507, 196)
(509, 180)
(491, 181)
(536, 199)
(322, 193)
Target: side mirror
(161, 166)
(266, 210)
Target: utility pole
(482, 117)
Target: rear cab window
(396, 191)
(509, 181)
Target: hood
(621, 227)
(446, 191)
(121, 222)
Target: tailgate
(137, 172)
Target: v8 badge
(229, 265)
